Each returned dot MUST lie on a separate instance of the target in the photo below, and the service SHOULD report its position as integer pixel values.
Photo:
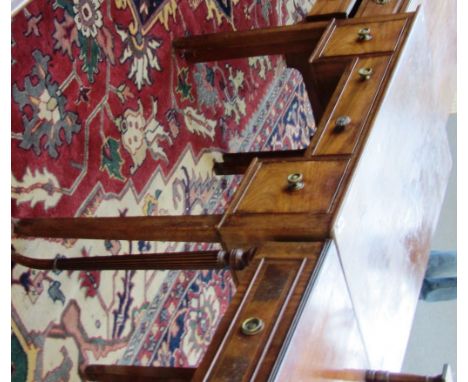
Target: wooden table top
(389, 214)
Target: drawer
(345, 39)
(330, 8)
(272, 203)
(354, 106)
(272, 295)
(381, 7)
(269, 192)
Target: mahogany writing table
(343, 231)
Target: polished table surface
(390, 212)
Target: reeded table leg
(235, 259)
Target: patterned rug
(108, 121)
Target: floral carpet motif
(108, 121)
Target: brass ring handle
(365, 73)
(295, 181)
(252, 326)
(342, 122)
(364, 34)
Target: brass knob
(295, 181)
(252, 326)
(365, 73)
(382, 2)
(342, 122)
(364, 34)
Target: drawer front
(330, 7)
(353, 107)
(345, 39)
(381, 7)
(269, 190)
(266, 300)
